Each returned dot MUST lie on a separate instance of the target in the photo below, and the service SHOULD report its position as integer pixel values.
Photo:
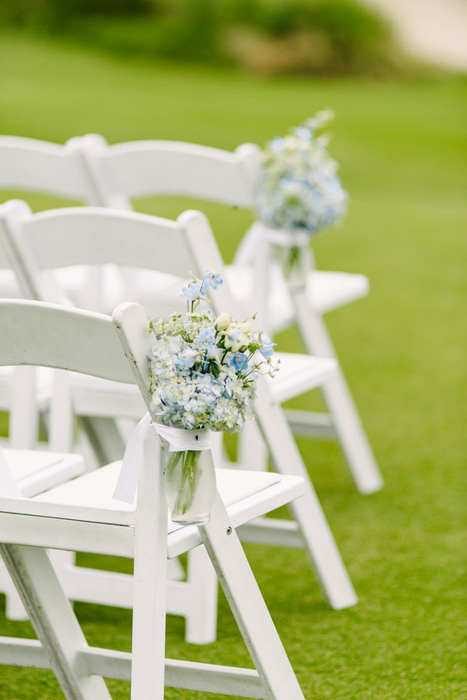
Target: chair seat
(326, 291)
(298, 374)
(36, 471)
(246, 495)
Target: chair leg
(248, 607)
(201, 613)
(54, 621)
(252, 452)
(24, 413)
(347, 423)
(150, 582)
(320, 543)
(14, 609)
(105, 438)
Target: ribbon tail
(127, 483)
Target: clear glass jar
(293, 253)
(190, 484)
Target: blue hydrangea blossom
(204, 369)
(298, 186)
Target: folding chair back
(148, 168)
(79, 342)
(39, 166)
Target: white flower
(223, 321)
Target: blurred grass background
(268, 36)
(402, 149)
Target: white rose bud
(223, 321)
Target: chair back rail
(48, 335)
(148, 168)
(39, 166)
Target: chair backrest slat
(87, 235)
(65, 237)
(148, 168)
(49, 335)
(39, 166)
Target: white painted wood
(73, 516)
(320, 544)
(347, 424)
(54, 622)
(39, 166)
(146, 168)
(36, 471)
(189, 241)
(326, 291)
(248, 607)
(150, 578)
(61, 340)
(89, 169)
(31, 165)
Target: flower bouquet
(203, 378)
(299, 192)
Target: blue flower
(277, 144)
(239, 361)
(267, 348)
(206, 337)
(303, 132)
(212, 279)
(193, 291)
(186, 359)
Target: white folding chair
(88, 235)
(98, 410)
(35, 472)
(142, 168)
(34, 166)
(82, 515)
(31, 165)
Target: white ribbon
(179, 440)
(295, 238)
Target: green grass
(402, 148)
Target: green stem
(189, 477)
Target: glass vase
(190, 484)
(293, 253)
(295, 262)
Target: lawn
(402, 149)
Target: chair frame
(47, 334)
(147, 240)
